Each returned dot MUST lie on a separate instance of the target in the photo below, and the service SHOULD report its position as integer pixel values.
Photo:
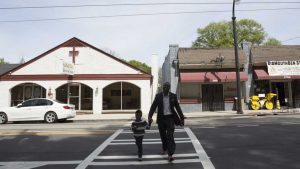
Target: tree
(111, 52)
(219, 35)
(250, 31)
(272, 42)
(214, 35)
(2, 61)
(140, 65)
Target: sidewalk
(129, 117)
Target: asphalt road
(236, 143)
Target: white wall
(144, 86)
(89, 61)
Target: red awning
(194, 77)
(262, 74)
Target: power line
(291, 39)
(141, 14)
(143, 4)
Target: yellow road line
(43, 133)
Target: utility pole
(237, 63)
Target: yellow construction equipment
(255, 105)
(267, 102)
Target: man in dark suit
(166, 103)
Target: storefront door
(74, 95)
(77, 94)
(280, 88)
(212, 97)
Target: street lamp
(237, 64)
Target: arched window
(121, 96)
(26, 91)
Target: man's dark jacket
(159, 104)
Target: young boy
(138, 127)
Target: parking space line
(96, 152)
(46, 133)
(290, 123)
(207, 164)
(147, 162)
(206, 127)
(247, 125)
(145, 156)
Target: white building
(78, 73)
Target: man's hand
(150, 120)
(182, 121)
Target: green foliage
(2, 61)
(214, 35)
(272, 42)
(250, 31)
(140, 65)
(220, 34)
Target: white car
(38, 109)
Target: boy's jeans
(139, 143)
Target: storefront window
(26, 91)
(190, 92)
(261, 87)
(230, 91)
(86, 98)
(121, 96)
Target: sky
(134, 37)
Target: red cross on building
(73, 54)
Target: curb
(195, 117)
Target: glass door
(74, 95)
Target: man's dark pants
(166, 129)
(139, 143)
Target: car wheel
(50, 117)
(3, 118)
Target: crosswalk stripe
(199, 157)
(153, 142)
(145, 156)
(154, 131)
(146, 162)
(96, 152)
(207, 164)
(145, 140)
